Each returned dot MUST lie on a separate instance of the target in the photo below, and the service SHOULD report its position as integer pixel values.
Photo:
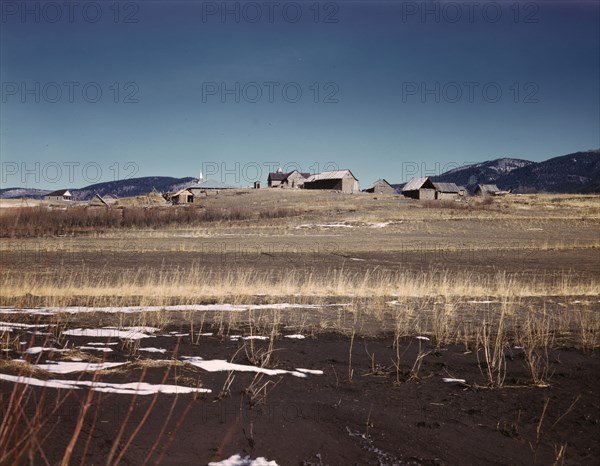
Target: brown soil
(332, 420)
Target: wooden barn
(336, 180)
(60, 195)
(447, 191)
(419, 188)
(184, 196)
(381, 187)
(486, 190)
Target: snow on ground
(39, 349)
(95, 348)
(181, 307)
(324, 225)
(422, 338)
(130, 333)
(251, 337)
(451, 380)
(66, 367)
(237, 460)
(153, 350)
(296, 336)
(11, 326)
(310, 371)
(133, 388)
(216, 365)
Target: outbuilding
(446, 191)
(381, 187)
(337, 180)
(419, 188)
(486, 190)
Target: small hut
(486, 190)
(381, 187)
(419, 188)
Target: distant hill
(131, 187)
(120, 188)
(18, 193)
(572, 173)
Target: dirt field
(390, 295)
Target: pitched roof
(446, 187)
(491, 188)
(278, 176)
(331, 175)
(60, 192)
(379, 181)
(417, 183)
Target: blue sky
(100, 91)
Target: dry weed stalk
(492, 341)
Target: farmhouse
(419, 188)
(486, 190)
(338, 180)
(381, 187)
(293, 179)
(60, 195)
(447, 191)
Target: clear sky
(97, 91)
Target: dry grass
(196, 284)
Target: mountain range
(573, 173)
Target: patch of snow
(36, 382)
(297, 336)
(132, 388)
(13, 326)
(324, 225)
(451, 380)
(393, 302)
(251, 337)
(181, 307)
(482, 302)
(39, 349)
(237, 460)
(310, 371)
(153, 350)
(99, 343)
(66, 367)
(139, 388)
(217, 365)
(422, 338)
(95, 348)
(357, 259)
(129, 333)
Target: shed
(381, 187)
(184, 196)
(419, 188)
(60, 195)
(446, 191)
(338, 180)
(486, 190)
